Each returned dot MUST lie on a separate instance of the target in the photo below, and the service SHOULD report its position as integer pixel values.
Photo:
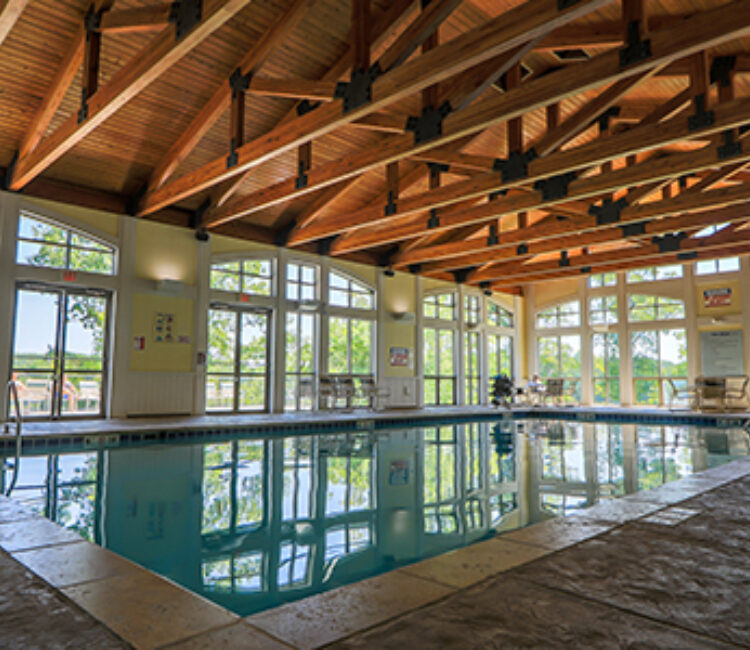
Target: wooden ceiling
(495, 142)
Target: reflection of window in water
(562, 449)
(501, 504)
(439, 472)
(348, 484)
(563, 504)
(346, 539)
(472, 456)
(502, 455)
(233, 486)
(299, 464)
(473, 514)
(62, 487)
(242, 572)
(663, 455)
(610, 459)
(294, 565)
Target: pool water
(255, 522)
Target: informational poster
(164, 327)
(718, 297)
(399, 474)
(722, 354)
(399, 356)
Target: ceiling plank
(508, 31)
(133, 21)
(690, 36)
(320, 91)
(147, 66)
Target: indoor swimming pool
(255, 522)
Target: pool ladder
(13, 394)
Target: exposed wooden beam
(219, 101)
(10, 12)
(590, 154)
(320, 91)
(508, 31)
(132, 21)
(159, 56)
(690, 36)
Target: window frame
(241, 294)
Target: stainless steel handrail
(13, 393)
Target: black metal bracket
(634, 229)
(324, 245)
(305, 106)
(564, 259)
(238, 82)
(484, 284)
(134, 201)
(438, 167)
(492, 239)
(555, 187)
(232, 157)
(460, 275)
(83, 112)
(744, 128)
(281, 236)
(522, 249)
(669, 243)
(202, 235)
(636, 49)
(493, 195)
(391, 207)
(585, 269)
(702, 117)
(301, 180)
(196, 216)
(185, 14)
(415, 268)
(92, 21)
(434, 220)
(385, 258)
(515, 166)
(564, 4)
(687, 255)
(608, 211)
(606, 116)
(429, 125)
(358, 90)
(730, 148)
(721, 67)
(8, 178)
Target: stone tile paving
(34, 615)
(678, 580)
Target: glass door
(59, 351)
(238, 354)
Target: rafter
(157, 57)
(10, 12)
(503, 34)
(667, 44)
(132, 21)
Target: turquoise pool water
(255, 522)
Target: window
(294, 565)
(471, 368)
(240, 573)
(606, 356)
(43, 243)
(301, 281)
(440, 480)
(498, 316)
(439, 366)
(301, 348)
(649, 308)
(560, 357)
(723, 265)
(299, 479)
(651, 273)
(350, 350)
(603, 310)
(344, 292)
(243, 276)
(565, 315)
(347, 539)
(602, 280)
(500, 355)
(441, 306)
(471, 310)
(659, 357)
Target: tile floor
(667, 568)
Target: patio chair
(736, 391)
(711, 392)
(679, 393)
(344, 389)
(326, 392)
(372, 391)
(553, 389)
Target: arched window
(248, 276)
(45, 243)
(348, 293)
(498, 316)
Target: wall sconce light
(402, 316)
(169, 286)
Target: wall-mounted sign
(399, 474)
(399, 356)
(719, 297)
(139, 342)
(721, 353)
(164, 327)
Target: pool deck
(667, 568)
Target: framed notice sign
(399, 356)
(721, 353)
